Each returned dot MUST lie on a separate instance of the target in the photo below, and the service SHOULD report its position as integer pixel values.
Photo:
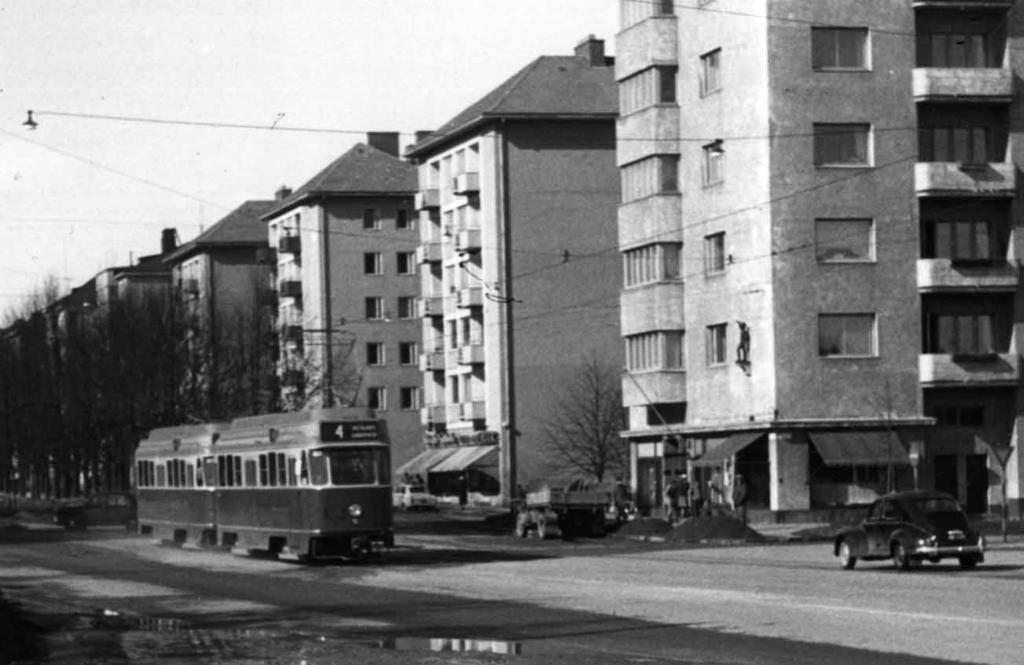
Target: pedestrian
(697, 497)
(674, 487)
(620, 499)
(684, 496)
(739, 497)
(715, 487)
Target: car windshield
(358, 466)
(942, 512)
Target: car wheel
(846, 558)
(900, 559)
(968, 562)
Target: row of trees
(79, 387)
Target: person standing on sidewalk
(739, 497)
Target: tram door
(648, 484)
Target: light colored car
(413, 497)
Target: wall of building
(563, 192)
(810, 386)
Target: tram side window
(303, 469)
(161, 476)
(282, 470)
(272, 469)
(210, 471)
(199, 473)
(237, 465)
(317, 467)
(222, 471)
(190, 477)
(291, 472)
(263, 470)
(250, 472)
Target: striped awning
(877, 448)
(727, 448)
(465, 457)
(425, 460)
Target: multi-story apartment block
(517, 213)
(347, 286)
(821, 244)
(227, 306)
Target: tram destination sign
(357, 430)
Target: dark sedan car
(113, 508)
(911, 527)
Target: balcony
(956, 179)
(429, 252)
(468, 240)
(190, 287)
(291, 334)
(972, 276)
(431, 306)
(964, 84)
(657, 306)
(470, 296)
(431, 362)
(466, 183)
(290, 288)
(472, 410)
(996, 369)
(653, 40)
(471, 354)
(289, 245)
(433, 413)
(650, 131)
(427, 198)
(651, 217)
(642, 388)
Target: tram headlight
(355, 510)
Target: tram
(312, 484)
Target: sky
(78, 195)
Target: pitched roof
(550, 86)
(362, 170)
(241, 226)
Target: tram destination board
(359, 430)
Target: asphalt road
(106, 598)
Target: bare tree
(582, 428)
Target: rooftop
(241, 227)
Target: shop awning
(426, 459)
(465, 457)
(727, 448)
(859, 448)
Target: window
(409, 397)
(960, 416)
(841, 144)
(714, 253)
(960, 333)
(406, 307)
(653, 263)
(715, 344)
(951, 49)
(372, 263)
(711, 165)
(653, 175)
(406, 263)
(635, 11)
(969, 145)
(375, 353)
(710, 72)
(660, 413)
(655, 85)
(839, 48)
(844, 240)
(408, 353)
(846, 335)
(960, 240)
(403, 220)
(654, 351)
(374, 309)
(371, 219)
(377, 398)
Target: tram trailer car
(175, 503)
(310, 484)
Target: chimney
(592, 49)
(282, 193)
(168, 241)
(384, 141)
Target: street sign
(1002, 454)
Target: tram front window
(357, 466)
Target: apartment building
(347, 285)
(517, 216)
(223, 288)
(821, 245)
